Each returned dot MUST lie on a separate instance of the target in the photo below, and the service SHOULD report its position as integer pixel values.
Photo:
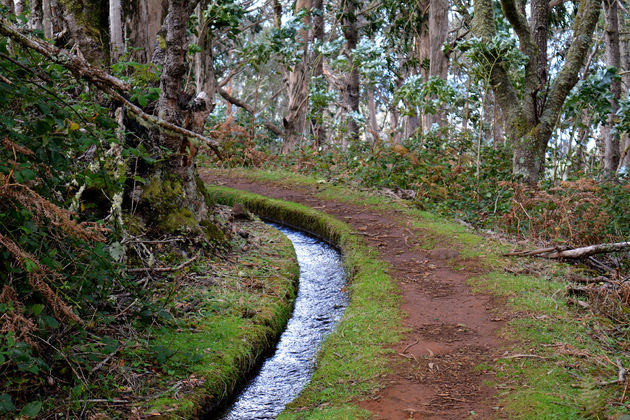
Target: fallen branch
(520, 356)
(410, 346)
(235, 101)
(573, 253)
(105, 360)
(78, 66)
(621, 376)
(165, 125)
(162, 269)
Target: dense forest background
(509, 115)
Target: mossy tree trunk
(87, 21)
(610, 137)
(297, 81)
(530, 121)
(352, 88)
(173, 198)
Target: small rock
(240, 212)
(443, 253)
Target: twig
(102, 400)
(162, 269)
(521, 356)
(410, 345)
(105, 360)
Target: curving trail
(450, 330)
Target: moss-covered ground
(214, 320)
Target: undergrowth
(443, 175)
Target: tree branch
(575, 253)
(103, 81)
(587, 16)
(235, 101)
(78, 66)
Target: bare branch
(99, 78)
(573, 253)
(235, 101)
(78, 66)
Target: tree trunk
(143, 20)
(205, 79)
(47, 19)
(318, 129)
(18, 7)
(530, 122)
(87, 23)
(610, 138)
(172, 198)
(373, 123)
(117, 43)
(438, 64)
(624, 50)
(35, 19)
(412, 123)
(297, 84)
(352, 85)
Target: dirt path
(450, 330)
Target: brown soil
(450, 331)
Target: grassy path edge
(354, 356)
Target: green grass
(575, 349)
(354, 356)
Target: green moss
(201, 187)
(160, 192)
(164, 198)
(178, 220)
(212, 231)
(133, 224)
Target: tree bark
(205, 79)
(87, 23)
(373, 123)
(47, 19)
(35, 19)
(438, 64)
(610, 137)
(352, 85)
(116, 40)
(143, 20)
(297, 86)
(18, 7)
(318, 129)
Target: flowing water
(318, 308)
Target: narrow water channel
(318, 308)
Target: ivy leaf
(6, 405)
(31, 409)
